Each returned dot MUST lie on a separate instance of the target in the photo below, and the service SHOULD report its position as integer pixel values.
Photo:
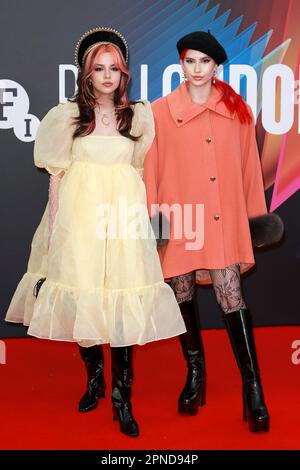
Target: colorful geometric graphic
(152, 35)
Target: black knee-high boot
(122, 377)
(93, 359)
(240, 331)
(193, 394)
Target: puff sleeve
(142, 125)
(53, 144)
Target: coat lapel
(183, 109)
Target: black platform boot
(122, 377)
(93, 359)
(193, 394)
(240, 331)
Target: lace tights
(226, 284)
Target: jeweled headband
(97, 36)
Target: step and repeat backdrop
(37, 70)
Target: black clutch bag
(161, 228)
(266, 230)
(38, 286)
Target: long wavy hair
(86, 99)
(232, 100)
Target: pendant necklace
(105, 117)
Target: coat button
(216, 216)
(212, 178)
(208, 140)
(179, 120)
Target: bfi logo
(14, 111)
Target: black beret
(204, 42)
(95, 36)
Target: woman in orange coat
(203, 170)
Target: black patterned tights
(226, 284)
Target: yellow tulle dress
(103, 285)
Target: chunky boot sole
(192, 407)
(83, 408)
(127, 432)
(254, 424)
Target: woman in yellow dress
(93, 258)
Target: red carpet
(42, 381)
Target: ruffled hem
(22, 304)
(119, 317)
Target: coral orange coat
(203, 155)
